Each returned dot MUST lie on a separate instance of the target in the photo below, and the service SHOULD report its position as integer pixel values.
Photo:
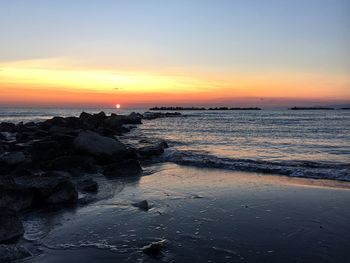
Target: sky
(174, 52)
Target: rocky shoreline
(43, 164)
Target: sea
(302, 143)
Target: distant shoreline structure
(312, 108)
(172, 108)
(199, 108)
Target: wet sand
(206, 215)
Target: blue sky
(250, 35)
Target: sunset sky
(173, 52)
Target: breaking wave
(307, 169)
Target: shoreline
(52, 164)
(222, 215)
(75, 163)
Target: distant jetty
(226, 108)
(199, 108)
(176, 108)
(311, 108)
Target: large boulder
(55, 121)
(13, 158)
(152, 150)
(88, 185)
(155, 248)
(133, 118)
(55, 129)
(3, 137)
(124, 168)
(96, 118)
(15, 197)
(49, 149)
(114, 123)
(94, 144)
(11, 227)
(49, 188)
(7, 127)
(10, 253)
(73, 164)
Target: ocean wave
(294, 168)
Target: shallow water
(313, 144)
(206, 215)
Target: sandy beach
(201, 215)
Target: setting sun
(117, 106)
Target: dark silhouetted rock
(114, 123)
(73, 163)
(155, 115)
(13, 158)
(14, 197)
(7, 127)
(155, 248)
(133, 118)
(124, 168)
(55, 121)
(152, 150)
(49, 188)
(63, 130)
(11, 227)
(143, 205)
(45, 150)
(85, 116)
(10, 253)
(2, 137)
(88, 185)
(95, 144)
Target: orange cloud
(56, 81)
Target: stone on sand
(10, 253)
(11, 227)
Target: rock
(152, 150)
(132, 118)
(11, 227)
(96, 145)
(2, 149)
(100, 116)
(16, 198)
(3, 137)
(164, 144)
(143, 205)
(63, 130)
(155, 115)
(105, 131)
(85, 116)
(92, 121)
(49, 149)
(5, 168)
(66, 194)
(10, 253)
(124, 168)
(49, 188)
(114, 123)
(88, 185)
(73, 122)
(13, 158)
(55, 121)
(7, 127)
(155, 248)
(73, 163)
